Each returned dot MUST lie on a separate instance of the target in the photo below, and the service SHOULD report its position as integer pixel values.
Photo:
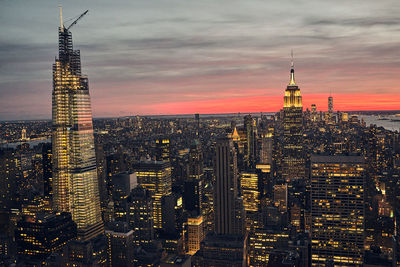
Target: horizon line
(207, 114)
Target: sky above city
(182, 57)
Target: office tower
(140, 215)
(171, 212)
(345, 117)
(195, 233)
(330, 104)
(227, 221)
(281, 197)
(122, 184)
(337, 210)
(196, 161)
(329, 115)
(101, 174)
(120, 244)
(293, 165)
(249, 187)
(265, 153)
(227, 246)
(314, 114)
(192, 187)
(295, 215)
(40, 235)
(251, 141)
(264, 241)
(192, 196)
(75, 184)
(155, 176)
(115, 164)
(93, 252)
(163, 149)
(207, 207)
(221, 251)
(47, 157)
(23, 134)
(8, 179)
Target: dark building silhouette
(120, 240)
(251, 141)
(47, 158)
(40, 235)
(140, 215)
(229, 211)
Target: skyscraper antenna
(291, 59)
(61, 18)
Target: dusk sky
(181, 57)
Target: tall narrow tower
(228, 206)
(293, 150)
(75, 182)
(330, 104)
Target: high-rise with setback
(293, 151)
(75, 183)
(229, 211)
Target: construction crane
(75, 21)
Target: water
(387, 124)
(31, 143)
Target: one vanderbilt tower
(75, 181)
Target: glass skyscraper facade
(337, 210)
(75, 182)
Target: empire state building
(293, 151)
(75, 181)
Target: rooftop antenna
(61, 18)
(292, 81)
(291, 61)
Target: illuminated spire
(61, 18)
(292, 81)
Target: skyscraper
(140, 215)
(330, 104)
(47, 170)
(42, 234)
(329, 116)
(337, 210)
(196, 161)
(226, 203)
(251, 144)
(155, 176)
(75, 184)
(227, 246)
(293, 151)
(163, 149)
(249, 186)
(195, 233)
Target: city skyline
(202, 58)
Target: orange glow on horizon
(255, 104)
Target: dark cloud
(355, 22)
(148, 52)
